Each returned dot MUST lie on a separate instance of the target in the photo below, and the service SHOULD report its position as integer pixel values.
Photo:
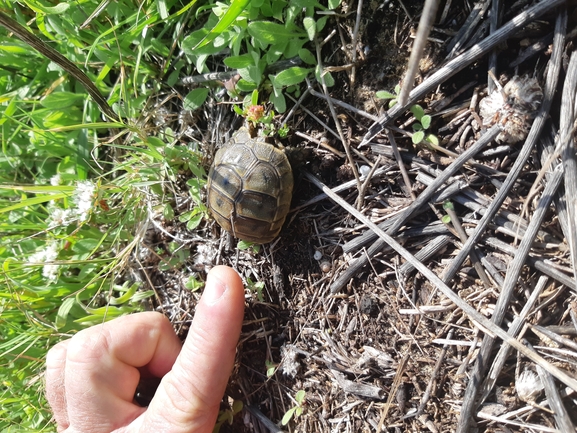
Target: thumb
(189, 396)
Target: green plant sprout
(227, 415)
(193, 283)
(245, 245)
(423, 121)
(270, 368)
(255, 113)
(256, 287)
(296, 410)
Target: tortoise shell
(250, 188)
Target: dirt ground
(386, 350)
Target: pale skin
(91, 378)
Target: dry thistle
(528, 386)
(513, 107)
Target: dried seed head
(326, 266)
(290, 364)
(513, 107)
(528, 386)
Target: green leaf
(254, 97)
(418, 137)
(193, 284)
(288, 415)
(333, 4)
(383, 94)
(329, 80)
(418, 111)
(194, 222)
(162, 9)
(63, 311)
(237, 406)
(60, 100)
(271, 33)
(290, 76)
(60, 8)
(300, 396)
(307, 57)
(307, 4)
(195, 98)
(244, 245)
(433, 139)
(238, 62)
(245, 86)
(446, 219)
(321, 23)
(448, 205)
(252, 74)
(426, 121)
(224, 23)
(310, 27)
(278, 101)
(126, 296)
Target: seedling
(422, 123)
(296, 410)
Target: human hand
(91, 378)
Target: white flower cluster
(83, 199)
(47, 255)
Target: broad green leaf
(321, 23)
(194, 222)
(288, 415)
(271, 33)
(189, 46)
(245, 86)
(307, 57)
(278, 100)
(433, 139)
(238, 62)
(418, 137)
(383, 94)
(195, 98)
(329, 80)
(290, 76)
(418, 111)
(251, 74)
(300, 396)
(333, 4)
(310, 27)
(426, 121)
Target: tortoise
(250, 188)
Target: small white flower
(84, 199)
(47, 255)
(55, 180)
(60, 217)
